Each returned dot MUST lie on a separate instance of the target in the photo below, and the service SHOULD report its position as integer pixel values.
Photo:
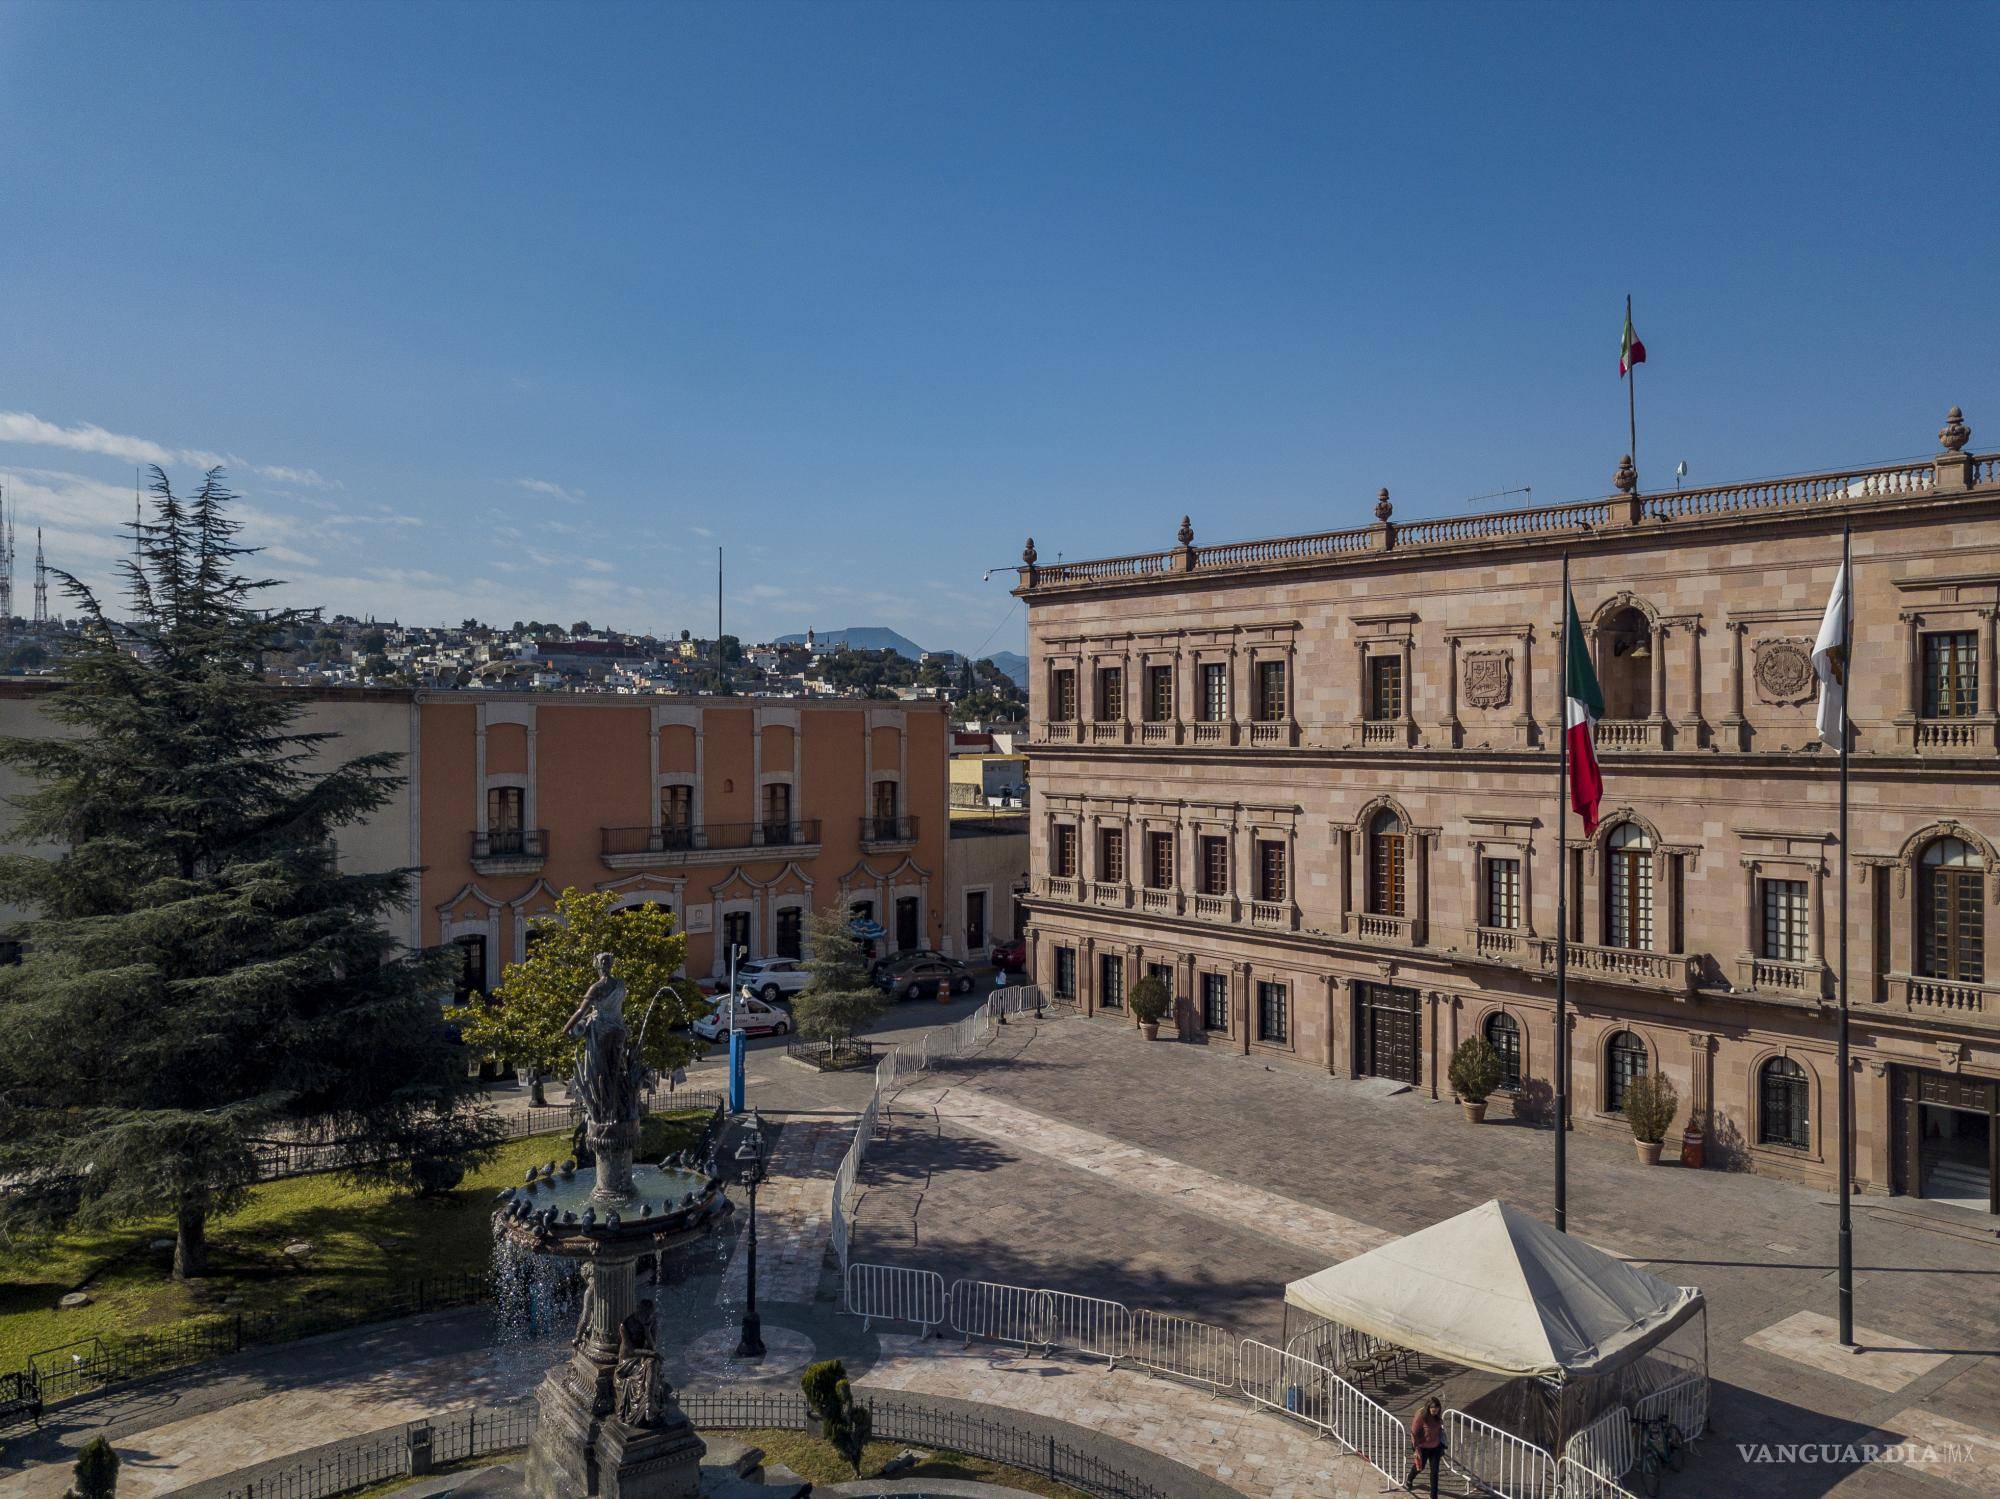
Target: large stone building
(1313, 782)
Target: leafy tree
(201, 973)
(581, 627)
(374, 643)
(524, 1020)
(839, 998)
(96, 1471)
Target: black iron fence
(425, 1445)
(671, 840)
(832, 1056)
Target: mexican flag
(1630, 350)
(1584, 707)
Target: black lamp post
(750, 1172)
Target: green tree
(844, 1422)
(374, 643)
(96, 1471)
(839, 998)
(201, 973)
(525, 1017)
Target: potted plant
(1475, 1072)
(1650, 1105)
(1150, 1002)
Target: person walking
(1426, 1444)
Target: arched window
(1628, 888)
(1951, 920)
(1625, 664)
(1624, 1059)
(1781, 1105)
(1503, 1034)
(1388, 864)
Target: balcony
(1671, 973)
(1158, 733)
(1271, 735)
(1628, 734)
(1953, 736)
(1060, 887)
(1160, 902)
(1394, 931)
(510, 851)
(1110, 893)
(1061, 731)
(1781, 976)
(1211, 732)
(888, 832)
(1500, 944)
(1106, 731)
(1212, 907)
(1274, 915)
(1945, 999)
(643, 848)
(1382, 733)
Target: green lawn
(369, 1243)
(812, 1458)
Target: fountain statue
(608, 1423)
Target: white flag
(1829, 659)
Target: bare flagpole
(1562, 914)
(1631, 407)
(1841, 1063)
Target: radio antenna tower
(6, 564)
(41, 582)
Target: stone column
(1988, 703)
(1327, 1048)
(1691, 721)
(1733, 721)
(1086, 975)
(1239, 980)
(1524, 718)
(1913, 694)
(1701, 1080)
(1451, 724)
(1409, 695)
(1659, 634)
(1420, 842)
(1816, 907)
(1344, 847)
(1360, 687)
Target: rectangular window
(1214, 692)
(1160, 861)
(1785, 920)
(1503, 893)
(471, 968)
(677, 807)
(1062, 696)
(1066, 973)
(789, 933)
(1271, 691)
(1111, 982)
(1385, 687)
(1111, 856)
(975, 920)
(1270, 871)
(1271, 1017)
(1110, 694)
(1951, 675)
(1215, 1001)
(1628, 916)
(1159, 694)
(1215, 866)
(1063, 854)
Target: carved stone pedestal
(578, 1455)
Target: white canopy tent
(1499, 1290)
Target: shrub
(96, 1471)
(1475, 1070)
(1150, 1000)
(1650, 1105)
(844, 1424)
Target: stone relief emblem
(1489, 679)
(1784, 671)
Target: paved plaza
(1072, 1154)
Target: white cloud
(88, 437)
(552, 490)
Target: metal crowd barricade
(1089, 1325)
(1180, 1346)
(1498, 1461)
(896, 1293)
(1005, 1314)
(1685, 1403)
(1285, 1382)
(1580, 1482)
(1606, 1447)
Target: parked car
(770, 978)
(889, 962)
(1011, 955)
(927, 977)
(753, 1018)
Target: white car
(753, 1018)
(770, 978)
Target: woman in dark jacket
(1426, 1443)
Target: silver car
(772, 979)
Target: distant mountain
(867, 638)
(1015, 665)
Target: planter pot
(1649, 1152)
(1475, 1112)
(1150, 1029)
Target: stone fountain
(608, 1423)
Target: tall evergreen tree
(200, 972)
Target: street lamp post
(750, 1172)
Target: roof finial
(1028, 552)
(1955, 434)
(1627, 477)
(1186, 533)
(1383, 508)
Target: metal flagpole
(1846, 666)
(1631, 407)
(1562, 915)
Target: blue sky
(520, 311)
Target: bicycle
(1662, 1449)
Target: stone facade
(1315, 779)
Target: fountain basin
(658, 1209)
